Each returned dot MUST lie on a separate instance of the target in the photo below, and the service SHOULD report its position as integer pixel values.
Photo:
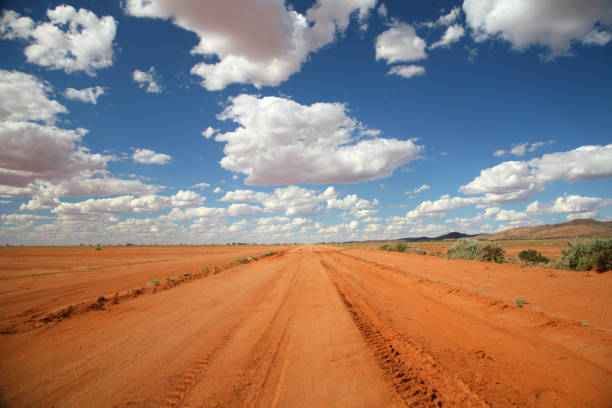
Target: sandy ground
(314, 326)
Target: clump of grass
(463, 249)
(490, 252)
(473, 249)
(585, 256)
(400, 246)
(98, 248)
(520, 302)
(418, 251)
(242, 260)
(267, 254)
(153, 282)
(185, 274)
(532, 256)
(252, 258)
(168, 279)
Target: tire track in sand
(189, 378)
(414, 374)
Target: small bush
(385, 247)
(267, 254)
(153, 282)
(533, 256)
(252, 258)
(463, 249)
(186, 274)
(490, 252)
(584, 256)
(417, 251)
(520, 302)
(168, 279)
(399, 247)
(242, 260)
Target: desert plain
(304, 326)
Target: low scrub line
(579, 256)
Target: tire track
(414, 374)
(189, 379)
(272, 345)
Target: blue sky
(300, 121)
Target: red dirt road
(316, 326)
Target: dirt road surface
(317, 326)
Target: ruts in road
(315, 326)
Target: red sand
(312, 326)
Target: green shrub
(584, 256)
(399, 247)
(385, 247)
(490, 252)
(168, 279)
(153, 282)
(520, 302)
(267, 254)
(242, 260)
(531, 255)
(463, 249)
(186, 274)
(417, 251)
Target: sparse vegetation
(168, 279)
(267, 254)
(532, 256)
(585, 256)
(463, 249)
(242, 260)
(399, 246)
(185, 274)
(153, 282)
(490, 252)
(520, 302)
(418, 251)
(473, 249)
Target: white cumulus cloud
(87, 95)
(71, 40)
(209, 132)
(261, 42)
(438, 208)
(147, 156)
(279, 141)
(149, 80)
(24, 98)
(451, 35)
(550, 23)
(400, 43)
(574, 206)
(407, 71)
(514, 181)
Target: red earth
(309, 326)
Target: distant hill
(450, 235)
(573, 229)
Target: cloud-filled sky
(158, 121)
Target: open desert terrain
(308, 326)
